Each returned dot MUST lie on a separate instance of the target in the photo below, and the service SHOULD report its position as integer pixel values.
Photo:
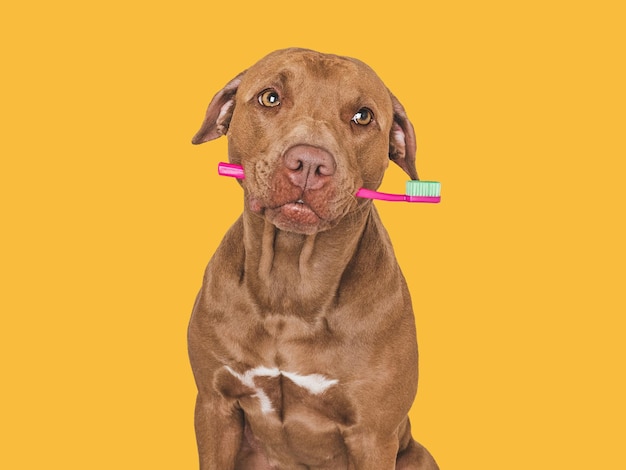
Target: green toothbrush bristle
(423, 188)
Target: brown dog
(302, 339)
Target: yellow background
(109, 216)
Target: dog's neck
(295, 274)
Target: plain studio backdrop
(109, 216)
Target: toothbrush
(416, 191)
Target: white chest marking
(313, 383)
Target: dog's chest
(291, 385)
(291, 368)
(271, 390)
(288, 411)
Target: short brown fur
(306, 280)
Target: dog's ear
(402, 144)
(219, 112)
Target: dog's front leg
(219, 431)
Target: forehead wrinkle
(326, 67)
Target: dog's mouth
(295, 216)
(299, 209)
(295, 208)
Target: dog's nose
(309, 167)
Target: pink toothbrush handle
(370, 194)
(431, 199)
(230, 169)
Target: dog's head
(309, 129)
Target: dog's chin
(296, 217)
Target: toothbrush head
(423, 191)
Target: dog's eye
(363, 117)
(269, 98)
